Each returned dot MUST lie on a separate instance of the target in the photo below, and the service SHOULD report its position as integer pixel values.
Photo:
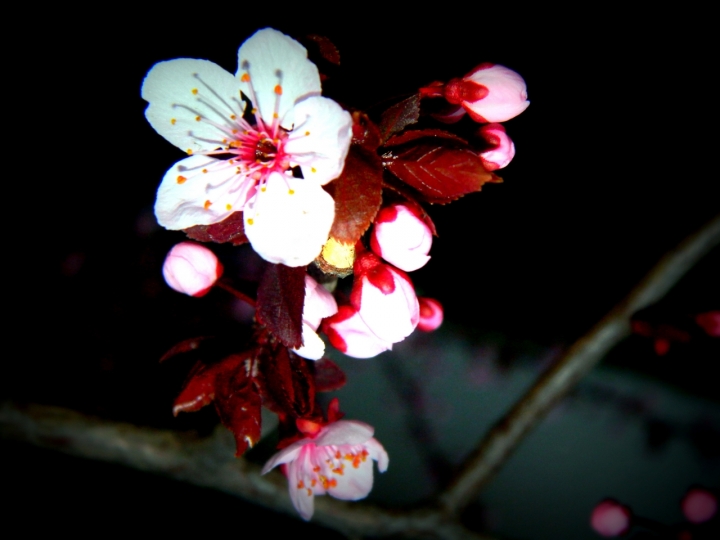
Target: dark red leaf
(231, 229)
(184, 346)
(328, 375)
(327, 48)
(399, 116)
(280, 303)
(440, 171)
(199, 389)
(288, 383)
(358, 190)
(415, 134)
(239, 405)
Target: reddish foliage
(184, 346)
(399, 116)
(239, 406)
(415, 134)
(231, 229)
(327, 48)
(358, 190)
(288, 386)
(280, 303)
(440, 171)
(229, 384)
(328, 375)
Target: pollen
(245, 77)
(338, 455)
(232, 117)
(309, 492)
(194, 91)
(250, 221)
(316, 468)
(275, 115)
(307, 133)
(300, 484)
(253, 111)
(204, 170)
(313, 169)
(234, 131)
(172, 121)
(228, 207)
(207, 205)
(291, 192)
(278, 90)
(197, 118)
(189, 151)
(181, 179)
(263, 189)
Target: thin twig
(209, 463)
(585, 353)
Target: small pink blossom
(610, 518)
(489, 93)
(401, 237)
(349, 334)
(337, 460)
(191, 269)
(384, 298)
(318, 304)
(431, 314)
(699, 505)
(502, 149)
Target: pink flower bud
(502, 149)
(699, 505)
(431, 314)
(489, 93)
(610, 518)
(401, 237)
(348, 333)
(318, 304)
(385, 298)
(191, 269)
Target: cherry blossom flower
(501, 150)
(401, 237)
(318, 304)
(191, 269)
(336, 460)
(349, 334)
(270, 161)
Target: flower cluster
(320, 194)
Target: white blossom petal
(355, 482)
(289, 221)
(320, 138)
(199, 190)
(318, 304)
(192, 102)
(313, 348)
(302, 499)
(286, 455)
(344, 432)
(270, 58)
(378, 453)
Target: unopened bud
(699, 505)
(501, 150)
(191, 269)
(610, 518)
(431, 314)
(401, 238)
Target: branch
(209, 463)
(577, 361)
